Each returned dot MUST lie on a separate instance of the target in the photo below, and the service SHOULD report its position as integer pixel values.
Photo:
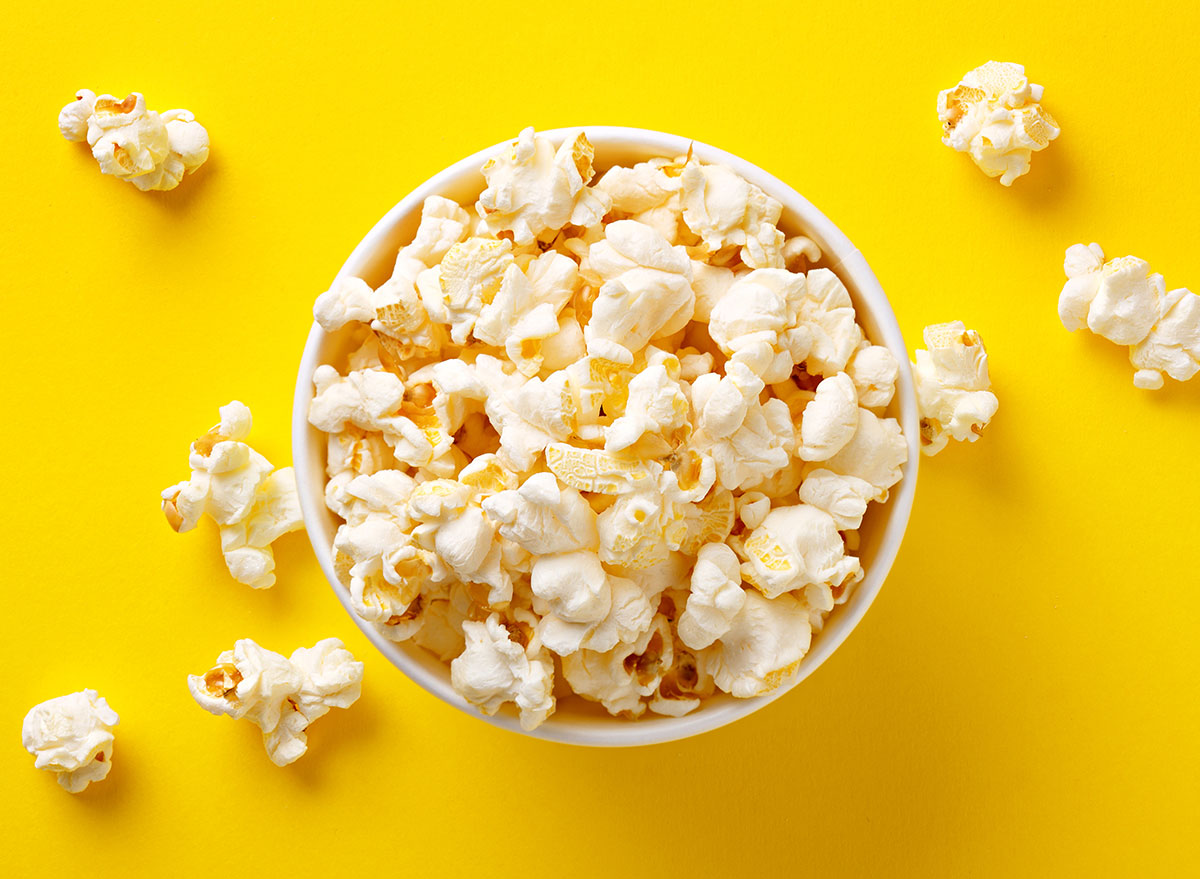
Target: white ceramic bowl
(576, 721)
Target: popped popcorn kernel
(953, 386)
(994, 115)
(72, 737)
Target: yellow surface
(1021, 700)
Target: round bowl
(576, 721)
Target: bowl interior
(575, 720)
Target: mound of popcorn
(145, 148)
(1125, 303)
(605, 435)
(953, 386)
(72, 737)
(993, 115)
(252, 503)
(280, 695)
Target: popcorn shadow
(190, 190)
(333, 738)
(1050, 180)
(114, 791)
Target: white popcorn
(621, 679)
(716, 597)
(582, 417)
(748, 440)
(758, 322)
(830, 419)
(844, 498)
(727, 211)
(657, 409)
(235, 486)
(281, 696)
(646, 290)
(72, 737)
(494, 669)
(874, 454)
(149, 150)
(544, 517)
(763, 647)
(73, 118)
(874, 371)
(952, 386)
(534, 188)
(994, 115)
(798, 548)
(1127, 304)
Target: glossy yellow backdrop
(1022, 698)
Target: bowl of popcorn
(606, 436)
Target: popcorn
(715, 599)
(874, 371)
(281, 696)
(749, 441)
(252, 504)
(994, 115)
(494, 669)
(534, 189)
(757, 322)
(582, 415)
(621, 679)
(133, 143)
(646, 290)
(798, 548)
(72, 737)
(763, 647)
(727, 211)
(830, 419)
(544, 517)
(952, 386)
(1122, 301)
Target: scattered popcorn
(252, 503)
(149, 150)
(994, 115)
(72, 737)
(281, 696)
(1122, 301)
(613, 430)
(952, 386)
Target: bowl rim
(849, 265)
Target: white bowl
(576, 721)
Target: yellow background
(1022, 698)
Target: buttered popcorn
(1125, 303)
(994, 116)
(602, 434)
(280, 695)
(252, 503)
(148, 149)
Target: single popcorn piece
(830, 419)
(657, 411)
(534, 188)
(795, 548)
(728, 212)
(757, 322)
(952, 386)
(252, 503)
(874, 371)
(544, 517)
(994, 114)
(494, 669)
(281, 696)
(844, 498)
(763, 647)
(715, 599)
(875, 454)
(149, 150)
(1127, 304)
(72, 737)
(624, 678)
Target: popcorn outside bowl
(577, 721)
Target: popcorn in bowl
(525, 491)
